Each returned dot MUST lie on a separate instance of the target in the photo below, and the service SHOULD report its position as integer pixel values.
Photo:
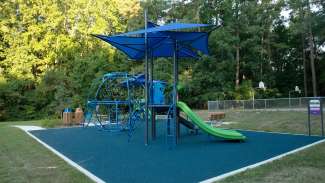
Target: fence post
(289, 103)
(264, 104)
(218, 105)
(300, 102)
(224, 105)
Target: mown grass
(22, 159)
(278, 121)
(305, 166)
(272, 121)
(51, 123)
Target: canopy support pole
(152, 109)
(175, 95)
(146, 80)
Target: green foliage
(49, 61)
(206, 80)
(244, 91)
(268, 93)
(269, 46)
(51, 123)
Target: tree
(311, 49)
(45, 40)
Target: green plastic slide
(217, 132)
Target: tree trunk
(269, 51)
(237, 66)
(237, 46)
(304, 64)
(312, 64)
(311, 54)
(302, 18)
(261, 56)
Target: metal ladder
(171, 128)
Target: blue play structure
(160, 41)
(111, 104)
(118, 102)
(147, 44)
(158, 96)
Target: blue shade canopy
(139, 80)
(168, 27)
(161, 41)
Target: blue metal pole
(174, 120)
(309, 131)
(146, 79)
(130, 98)
(321, 116)
(152, 109)
(116, 114)
(177, 111)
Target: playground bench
(216, 116)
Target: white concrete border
(223, 176)
(27, 129)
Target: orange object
(216, 116)
(67, 118)
(78, 116)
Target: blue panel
(139, 80)
(133, 47)
(151, 24)
(158, 90)
(197, 40)
(161, 41)
(167, 27)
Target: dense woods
(49, 61)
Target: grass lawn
(25, 160)
(22, 159)
(305, 166)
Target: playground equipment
(217, 132)
(67, 116)
(78, 116)
(163, 41)
(111, 105)
(118, 102)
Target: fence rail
(298, 104)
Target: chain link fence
(278, 104)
